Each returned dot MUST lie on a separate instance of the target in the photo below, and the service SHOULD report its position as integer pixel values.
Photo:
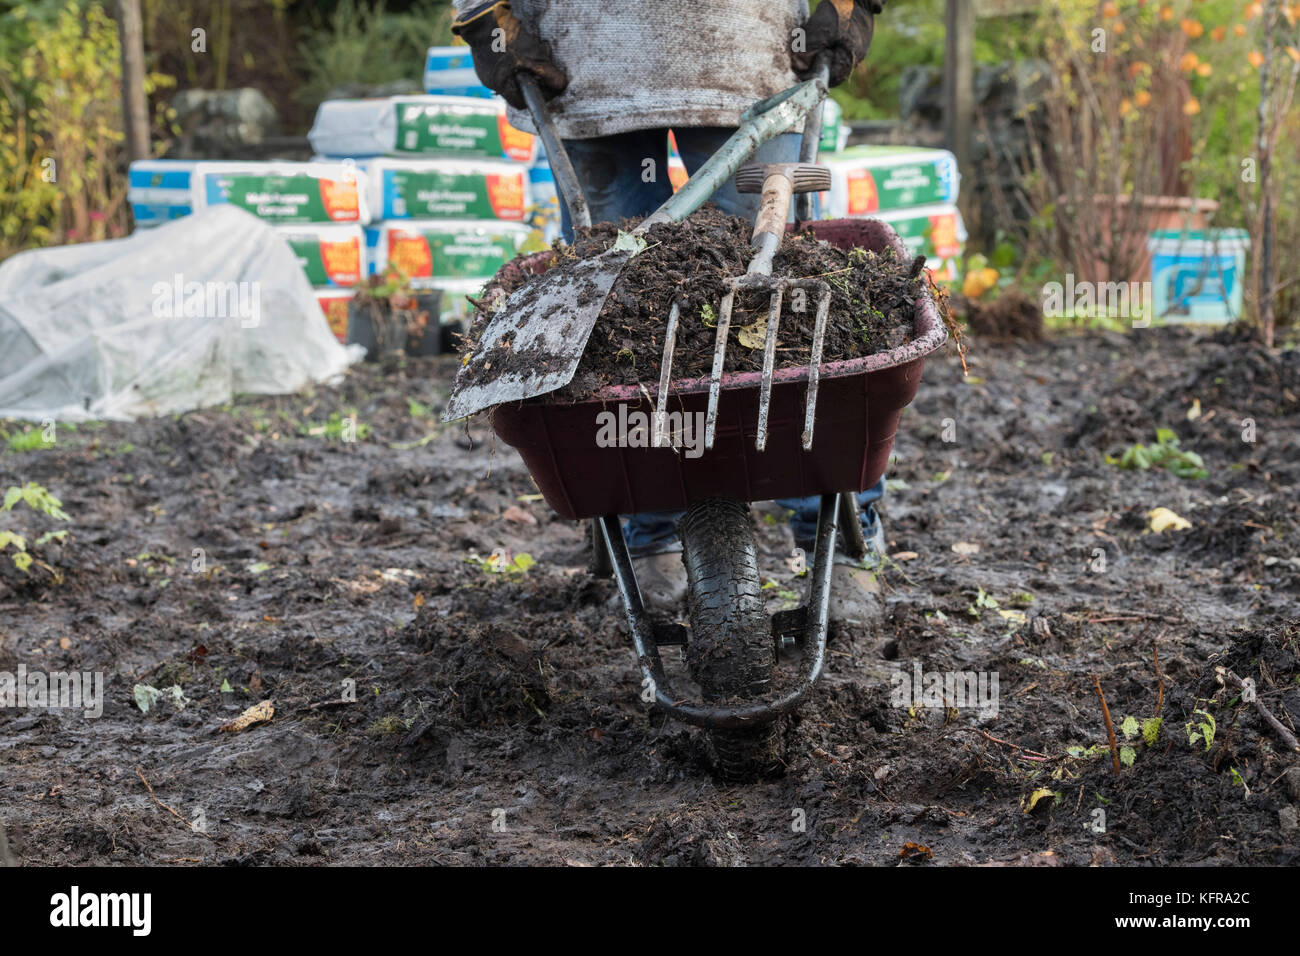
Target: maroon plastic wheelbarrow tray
(859, 402)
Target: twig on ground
(323, 704)
(171, 810)
(1110, 727)
(1024, 751)
(1279, 728)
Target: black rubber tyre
(730, 654)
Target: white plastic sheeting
(182, 316)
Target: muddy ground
(497, 716)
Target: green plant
(395, 313)
(501, 562)
(338, 428)
(1203, 729)
(1148, 730)
(38, 498)
(1165, 454)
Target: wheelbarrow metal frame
(646, 643)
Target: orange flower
(1256, 58)
(1142, 98)
(1136, 68)
(1110, 9)
(1118, 26)
(1166, 12)
(1239, 30)
(1193, 28)
(1125, 106)
(1204, 69)
(1188, 62)
(1219, 33)
(1254, 10)
(1191, 107)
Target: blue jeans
(614, 173)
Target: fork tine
(719, 354)
(665, 375)
(769, 360)
(815, 367)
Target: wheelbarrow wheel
(731, 654)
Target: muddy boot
(661, 579)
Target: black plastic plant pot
(380, 329)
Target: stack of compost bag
(319, 208)
(447, 178)
(912, 189)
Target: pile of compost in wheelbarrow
(873, 299)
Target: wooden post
(135, 106)
(959, 85)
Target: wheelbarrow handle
(761, 122)
(758, 124)
(812, 135)
(570, 188)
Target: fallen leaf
(1016, 616)
(64, 643)
(1038, 795)
(1194, 412)
(915, 851)
(418, 602)
(753, 336)
(145, 697)
(257, 714)
(1162, 519)
(966, 548)
(904, 555)
(519, 515)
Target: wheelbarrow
(732, 646)
(823, 429)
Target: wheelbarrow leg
(600, 565)
(855, 545)
(817, 616)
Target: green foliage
(364, 43)
(500, 562)
(38, 498)
(338, 428)
(1148, 730)
(1203, 729)
(61, 177)
(32, 439)
(912, 34)
(1165, 454)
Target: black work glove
(843, 29)
(502, 47)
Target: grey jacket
(644, 64)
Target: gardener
(619, 74)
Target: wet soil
(498, 714)
(872, 301)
